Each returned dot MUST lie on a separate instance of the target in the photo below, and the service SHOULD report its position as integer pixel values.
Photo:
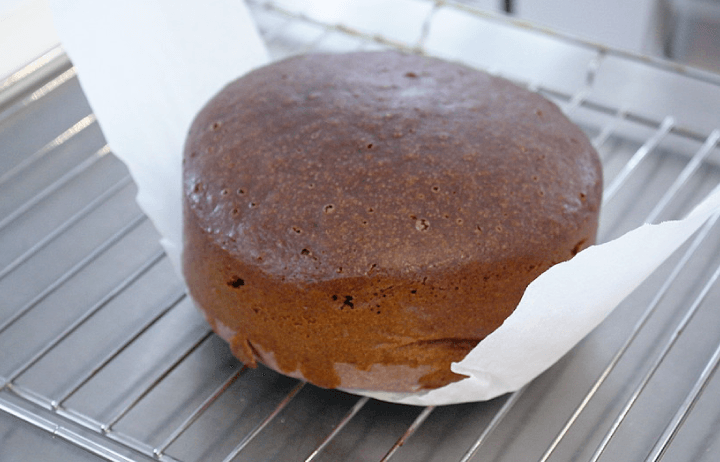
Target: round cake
(363, 220)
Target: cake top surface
(327, 166)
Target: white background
(26, 29)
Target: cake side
(383, 331)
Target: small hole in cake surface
(252, 205)
(305, 252)
(296, 230)
(224, 192)
(216, 126)
(339, 270)
(414, 291)
(241, 191)
(349, 301)
(334, 297)
(330, 208)
(459, 221)
(369, 146)
(435, 188)
(235, 212)
(422, 224)
(370, 210)
(235, 283)
(411, 75)
(198, 187)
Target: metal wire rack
(103, 357)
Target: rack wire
(103, 357)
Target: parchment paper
(147, 66)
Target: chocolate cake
(363, 220)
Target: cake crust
(363, 220)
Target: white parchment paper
(148, 66)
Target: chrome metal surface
(103, 357)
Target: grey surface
(103, 357)
(21, 442)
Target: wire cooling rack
(103, 357)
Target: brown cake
(363, 220)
